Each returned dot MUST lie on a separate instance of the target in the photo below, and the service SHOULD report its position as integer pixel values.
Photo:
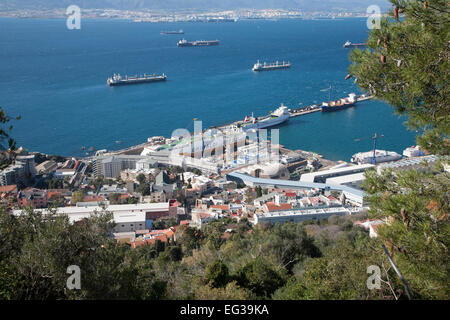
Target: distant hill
(305, 5)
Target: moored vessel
(413, 151)
(340, 104)
(377, 155)
(279, 116)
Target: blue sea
(55, 79)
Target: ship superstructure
(258, 66)
(117, 79)
(340, 104)
(197, 43)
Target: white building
(322, 176)
(128, 217)
(296, 216)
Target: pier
(317, 107)
(137, 149)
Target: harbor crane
(374, 138)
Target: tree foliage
(416, 206)
(407, 65)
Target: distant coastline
(155, 16)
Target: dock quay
(229, 128)
(317, 107)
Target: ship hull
(270, 68)
(266, 124)
(337, 108)
(194, 44)
(129, 82)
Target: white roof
(123, 213)
(309, 177)
(347, 178)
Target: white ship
(258, 66)
(280, 115)
(380, 156)
(413, 151)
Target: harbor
(196, 85)
(234, 128)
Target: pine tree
(407, 65)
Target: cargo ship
(348, 44)
(197, 43)
(279, 116)
(266, 67)
(117, 80)
(340, 104)
(173, 32)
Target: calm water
(56, 79)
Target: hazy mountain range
(304, 5)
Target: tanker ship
(117, 80)
(197, 43)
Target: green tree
(132, 200)
(77, 196)
(141, 178)
(407, 65)
(217, 274)
(259, 277)
(258, 190)
(415, 205)
(175, 253)
(114, 198)
(5, 132)
(144, 189)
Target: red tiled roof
(9, 188)
(203, 215)
(291, 194)
(222, 207)
(271, 206)
(53, 193)
(93, 198)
